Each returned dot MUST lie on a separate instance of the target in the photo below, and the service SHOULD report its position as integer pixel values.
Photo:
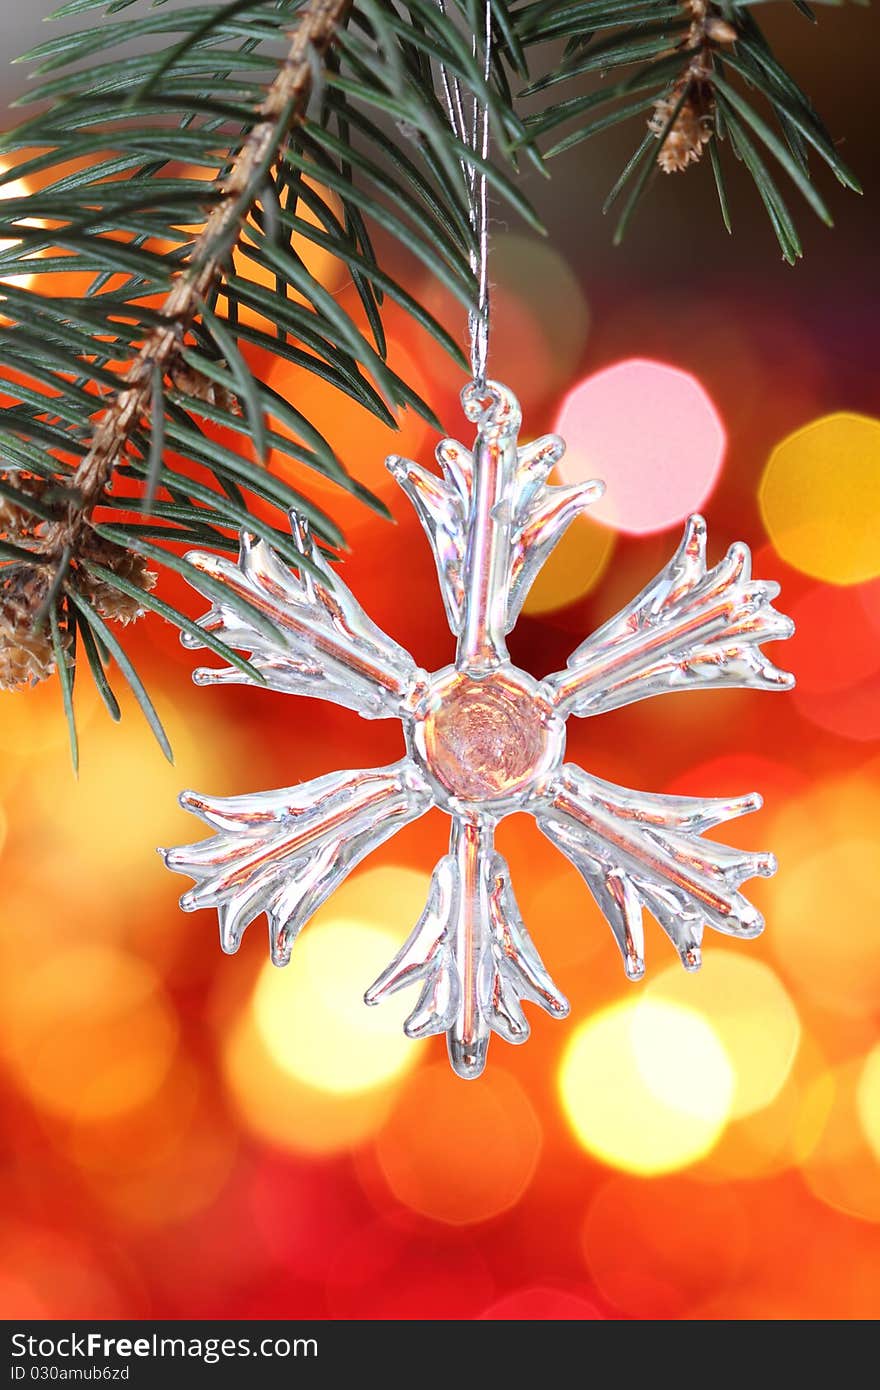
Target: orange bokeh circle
(460, 1153)
(687, 1237)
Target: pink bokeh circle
(651, 432)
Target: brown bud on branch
(690, 103)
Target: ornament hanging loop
(474, 135)
(492, 408)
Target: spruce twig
(285, 102)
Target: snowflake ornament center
(484, 739)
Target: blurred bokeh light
(751, 1012)
(56, 1025)
(825, 910)
(460, 1154)
(820, 498)
(654, 474)
(574, 568)
(684, 1239)
(868, 1099)
(647, 1085)
(13, 188)
(315, 1025)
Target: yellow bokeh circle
(311, 1067)
(647, 1086)
(820, 498)
(574, 567)
(750, 1011)
(390, 896)
(868, 1100)
(286, 1112)
(312, 1017)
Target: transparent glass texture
(484, 740)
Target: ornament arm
(691, 628)
(284, 852)
(640, 850)
(471, 954)
(327, 646)
(492, 520)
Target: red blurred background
(186, 1134)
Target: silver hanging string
(474, 135)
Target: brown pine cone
(110, 602)
(26, 655)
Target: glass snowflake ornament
(484, 739)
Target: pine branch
(682, 57)
(163, 349)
